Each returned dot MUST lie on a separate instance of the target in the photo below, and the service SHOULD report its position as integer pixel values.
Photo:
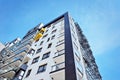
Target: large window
(41, 42)
(49, 45)
(42, 68)
(35, 60)
(46, 55)
(47, 30)
(45, 36)
(53, 27)
(21, 74)
(31, 52)
(48, 39)
(39, 50)
(28, 73)
(54, 31)
(53, 37)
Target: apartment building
(1, 46)
(55, 51)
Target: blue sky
(99, 20)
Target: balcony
(27, 58)
(21, 46)
(22, 52)
(15, 62)
(58, 71)
(18, 54)
(59, 56)
(8, 73)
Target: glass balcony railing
(23, 45)
(27, 39)
(17, 54)
(14, 61)
(58, 67)
(8, 70)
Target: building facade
(57, 51)
(1, 46)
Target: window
(41, 42)
(49, 45)
(53, 27)
(73, 31)
(41, 68)
(79, 76)
(45, 36)
(53, 37)
(75, 45)
(48, 39)
(19, 75)
(35, 60)
(39, 50)
(74, 37)
(28, 73)
(54, 31)
(47, 30)
(31, 51)
(37, 40)
(46, 55)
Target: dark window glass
(48, 39)
(45, 36)
(36, 40)
(53, 37)
(39, 50)
(46, 55)
(53, 27)
(47, 30)
(20, 74)
(54, 31)
(35, 60)
(28, 73)
(32, 51)
(41, 42)
(49, 45)
(42, 68)
(75, 45)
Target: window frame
(49, 45)
(42, 68)
(45, 36)
(54, 31)
(46, 55)
(39, 50)
(41, 42)
(53, 37)
(48, 39)
(28, 72)
(35, 60)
